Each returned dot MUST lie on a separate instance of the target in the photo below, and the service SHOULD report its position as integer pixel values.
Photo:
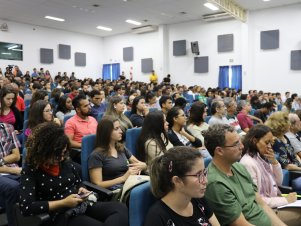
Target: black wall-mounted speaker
(195, 48)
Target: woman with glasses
(40, 112)
(51, 183)
(178, 179)
(265, 170)
(178, 134)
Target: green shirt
(229, 196)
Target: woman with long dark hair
(196, 121)
(8, 111)
(40, 112)
(139, 111)
(178, 134)
(64, 108)
(153, 140)
(110, 164)
(51, 183)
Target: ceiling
(81, 16)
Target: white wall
(266, 70)
(147, 45)
(182, 67)
(33, 38)
(269, 70)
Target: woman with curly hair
(51, 183)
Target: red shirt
(20, 104)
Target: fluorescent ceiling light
(133, 22)
(211, 6)
(6, 53)
(104, 28)
(20, 50)
(12, 47)
(55, 18)
(266, 0)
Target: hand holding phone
(84, 195)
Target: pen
(284, 195)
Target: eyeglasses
(49, 111)
(237, 144)
(200, 175)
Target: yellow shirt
(153, 78)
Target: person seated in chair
(230, 191)
(110, 164)
(9, 170)
(178, 179)
(50, 183)
(81, 124)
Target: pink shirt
(79, 127)
(9, 118)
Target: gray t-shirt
(111, 167)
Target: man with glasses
(230, 191)
(218, 112)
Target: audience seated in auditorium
(9, 170)
(230, 190)
(139, 111)
(51, 184)
(178, 133)
(81, 124)
(110, 164)
(64, 108)
(178, 180)
(153, 140)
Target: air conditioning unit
(144, 29)
(4, 27)
(217, 16)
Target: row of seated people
(50, 183)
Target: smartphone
(84, 195)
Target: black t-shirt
(161, 215)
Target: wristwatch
(2, 162)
